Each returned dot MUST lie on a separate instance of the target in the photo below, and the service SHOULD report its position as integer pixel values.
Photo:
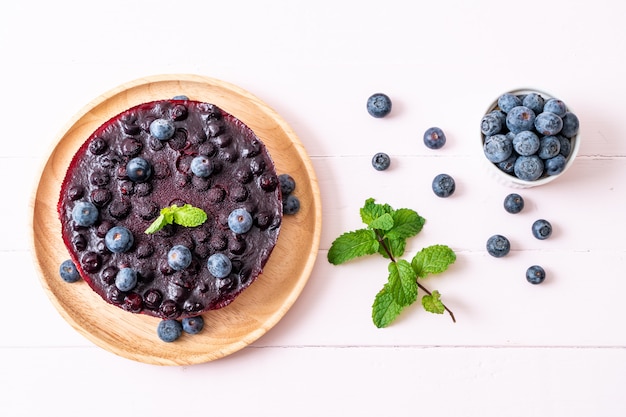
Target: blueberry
(381, 161)
(520, 118)
(85, 213)
(219, 265)
(535, 274)
(379, 105)
(169, 330)
(126, 279)
(201, 166)
(138, 170)
(556, 165)
(434, 138)
(549, 147)
(239, 220)
(508, 165)
(548, 123)
(528, 168)
(534, 101)
(498, 148)
(443, 185)
(570, 125)
(180, 97)
(513, 203)
(508, 101)
(542, 229)
(68, 271)
(179, 257)
(556, 106)
(193, 325)
(287, 184)
(291, 205)
(119, 239)
(498, 246)
(566, 145)
(491, 124)
(162, 129)
(526, 142)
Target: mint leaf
(406, 223)
(396, 247)
(399, 291)
(384, 222)
(157, 225)
(351, 245)
(385, 309)
(188, 215)
(432, 303)
(371, 211)
(433, 260)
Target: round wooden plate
(257, 309)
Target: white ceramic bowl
(511, 180)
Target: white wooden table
(556, 349)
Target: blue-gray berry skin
(119, 239)
(534, 101)
(508, 165)
(498, 148)
(526, 142)
(513, 203)
(291, 205)
(192, 325)
(443, 185)
(138, 170)
(379, 105)
(556, 106)
(498, 246)
(434, 138)
(520, 118)
(179, 257)
(555, 165)
(549, 147)
(126, 279)
(287, 184)
(68, 271)
(381, 161)
(169, 330)
(535, 274)
(566, 145)
(85, 213)
(571, 124)
(180, 97)
(528, 168)
(162, 129)
(491, 125)
(507, 101)
(201, 166)
(239, 221)
(219, 265)
(548, 123)
(542, 229)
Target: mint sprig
(386, 234)
(187, 216)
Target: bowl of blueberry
(529, 138)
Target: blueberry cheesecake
(170, 209)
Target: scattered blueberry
(549, 147)
(434, 138)
(291, 204)
(379, 105)
(535, 274)
(169, 330)
(193, 325)
(287, 184)
(542, 229)
(520, 118)
(119, 239)
(126, 279)
(179, 257)
(219, 265)
(528, 168)
(443, 185)
(556, 106)
(555, 165)
(513, 203)
(498, 148)
(526, 142)
(498, 246)
(85, 213)
(162, 129)
(508, 101)
(239, 220)
(138, 170)
(570, 125)
(68, 271)
(201, 166)
(381, 161)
